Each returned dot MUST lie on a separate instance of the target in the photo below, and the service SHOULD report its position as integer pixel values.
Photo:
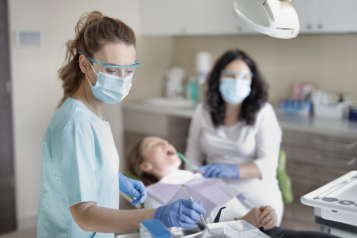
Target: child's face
(160, 156)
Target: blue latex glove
(220, 170)
(133, 188)
(182, 213)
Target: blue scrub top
(80, 163)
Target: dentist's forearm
(250, 170)
(90, 217)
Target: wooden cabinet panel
(344, 144)
(178, 126)
(326, 157)
(321, 174)
(296, 215)
(147, 123)
(305, 178)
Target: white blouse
(241, 144)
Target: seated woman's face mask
(113, 82)
(235, 88)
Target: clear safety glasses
(115, 70)
(236, 75)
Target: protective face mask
(234, 91)
(111, 89)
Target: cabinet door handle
(338, 145)
(336, 161)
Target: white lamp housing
(276, 18)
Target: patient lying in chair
(156, 163)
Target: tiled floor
(27, 233)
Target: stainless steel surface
(189, 233)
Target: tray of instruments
(233, 229)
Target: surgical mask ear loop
(92, 68)
(94, 72)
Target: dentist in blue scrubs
(80, 179)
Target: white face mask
(111, 89)
(234, 91)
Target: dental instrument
(188, 162)
(213, 235)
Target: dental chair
(284, 179)
(282, 176)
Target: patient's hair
(135, 158)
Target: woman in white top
(235, 132)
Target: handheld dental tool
(189, 196)
(213, 235)
(188, 162)
(244, 201)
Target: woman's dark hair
(251, 105)
(134, 161)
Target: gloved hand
(220, 170)
(182, 213)
(133, 188)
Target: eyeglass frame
(137, 64)
(233, 72)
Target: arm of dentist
(90, 217)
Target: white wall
(36, 89)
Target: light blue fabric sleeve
(77, 163)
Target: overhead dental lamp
(276, 18)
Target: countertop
(287, 122)
(146, 107)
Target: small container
(338, 111)
(192, 91)
(295, 107)
(154, 229)
(236, 229)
